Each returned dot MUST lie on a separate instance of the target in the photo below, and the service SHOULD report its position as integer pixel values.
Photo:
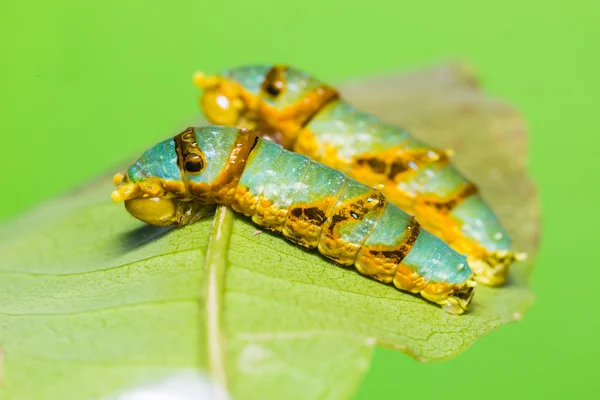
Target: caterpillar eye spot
(273, 90)
(194, 165)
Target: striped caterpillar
(306, 116)
(311, 204)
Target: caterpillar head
(274, 100)
(223, 101)
(175, 179)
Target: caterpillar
(309, 203)
(309, 117)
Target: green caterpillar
(309, 203)
(307, 116)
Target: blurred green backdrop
(85, 84)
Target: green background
(83, 85)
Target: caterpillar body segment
(313, 205)
(307, 116)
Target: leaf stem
(216, 268)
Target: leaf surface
(93, 302)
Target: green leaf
(93, 302)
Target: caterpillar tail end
(453, 298)
(493, 269)
(458, 302)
